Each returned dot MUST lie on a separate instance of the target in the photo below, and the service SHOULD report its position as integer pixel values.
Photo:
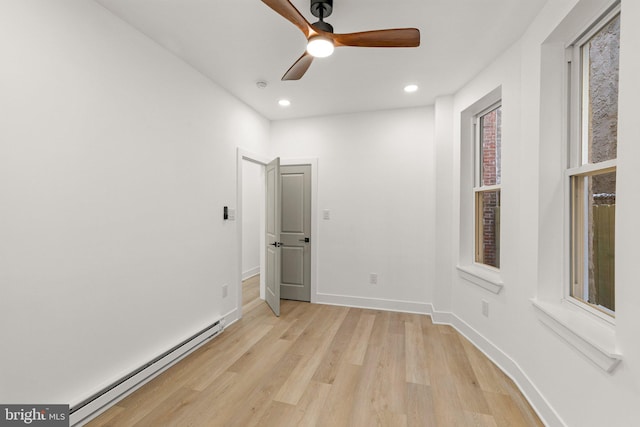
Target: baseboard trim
(231, 317)
(250, 273)
(510, 367)
(374, 303)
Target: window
(577, 166)
(488, 130)
(592, 163)
(480, 192)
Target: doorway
(252, 201)
(311, 248)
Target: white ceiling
(238, 42)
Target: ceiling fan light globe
(320, 47)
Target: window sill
(483, 277)
(588, 335)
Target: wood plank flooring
(319, 365)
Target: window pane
(490, 142)
(593, 239)
(488, 228)
(601, 58)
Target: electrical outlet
(225, 290)
(373, 278)
(485, 308)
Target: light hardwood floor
(319, 365)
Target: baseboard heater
(97, 403)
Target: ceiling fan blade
(399, 37)
(289, 12)
(300, 67)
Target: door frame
(244, 155)
(262, 160)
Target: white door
(295, 232)
(272, 238)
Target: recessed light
(411, 88)
(284, 103)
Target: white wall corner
(540, 405)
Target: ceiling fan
(321, 40)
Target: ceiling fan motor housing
(324, 26)
(324, 6)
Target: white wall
(577, 391)
(376, 176)
(115, 162)
(446, 203)
(252, 201)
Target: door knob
(276, 244)
(306, 240)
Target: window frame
(479, 188)
(577, 164)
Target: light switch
(326, 214)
